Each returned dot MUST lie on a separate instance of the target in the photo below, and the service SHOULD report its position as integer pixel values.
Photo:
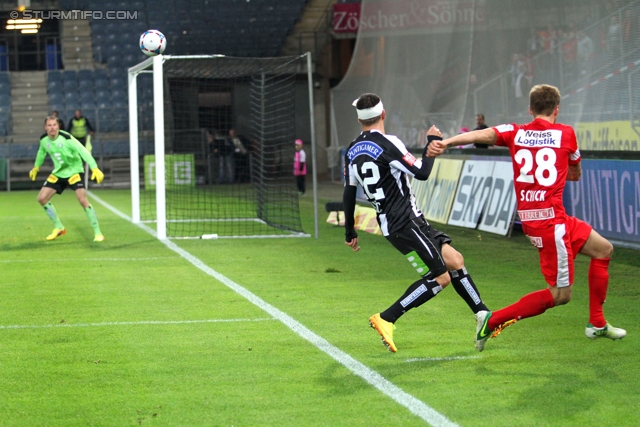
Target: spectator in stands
(300, 167)
(480, 124)
(241, 147)
(569, 47)
(222, 148)
(629, 29)
(67, 155)
(54, 113)
(614, 53)
(517, 71)
(585, 52)
(81, 129)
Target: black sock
(464, 286)
(416, 295)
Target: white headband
(369, 113)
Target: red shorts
(558, 246)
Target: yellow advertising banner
(365, 220)
(607, 136)
(438, 207)
(336, 218)
(423, 190)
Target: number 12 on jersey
(371, 180)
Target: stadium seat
(84, 75)
(57, 106)
(88, 103)
(56, 98)
(18, 151)
(70, 76)
(101, 84)
(85, 86)
(5, 85)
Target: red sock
(528, 306)
(598, 284)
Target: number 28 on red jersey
(541, 153)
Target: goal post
(212, 138)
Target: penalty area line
(6, 261)
(141, 322)
(413, 404)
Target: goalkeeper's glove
(33, 173)
(97, 175)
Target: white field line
(90, 259)
(414, 405)
(141, 322)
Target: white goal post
(269, 194)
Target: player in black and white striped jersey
(382, 165)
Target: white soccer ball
(152, 42)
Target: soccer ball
(152, 42)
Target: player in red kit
(545, 155)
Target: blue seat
(55, 85)
(101, 84)
(85, 75)
(120, 124)
(85, 85)
(102, 96)
(70, 76)
(57, 106)
(5, 86)
(23, 151)
(100, 73)
(71, 97)
(88, 103)
(56, 98)
(119, 93)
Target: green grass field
(274, 332)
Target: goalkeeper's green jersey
(67, 154)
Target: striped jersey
(382, 166)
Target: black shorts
(418, 240)
(59, 184)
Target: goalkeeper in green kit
(67, 154)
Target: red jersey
(541, 153)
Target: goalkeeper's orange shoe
(56, 233)
(98, 238)
(385, 329)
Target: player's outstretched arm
(349, 202)
(484, 136)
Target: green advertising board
(180, 170)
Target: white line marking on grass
(439, 359)
(416, 406)
(91, 259)
(141, 322)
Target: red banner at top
(405, 15)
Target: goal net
(222, 130)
